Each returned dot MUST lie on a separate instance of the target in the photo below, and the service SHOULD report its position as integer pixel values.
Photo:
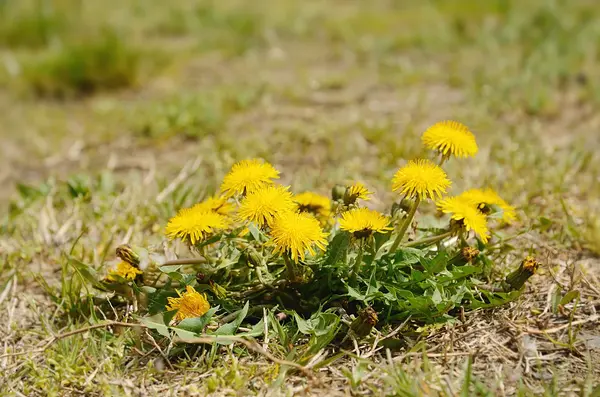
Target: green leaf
(156, 322)
(232, 327)
(436, 264)
(254, 231)
(338, 248)
(185, 335)
(86, 272)
(197, 324)
(569, 297)
(407, 256)
(304, 326)
(170, 268)
(257, 330)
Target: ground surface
(328, 92)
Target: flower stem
(357, 262)
(429, 240)
(290, 268)
(406, 224)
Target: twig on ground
(251, 344)
(64, 335)
(561, 327)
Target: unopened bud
(517, 279)
(466, 255)
(127, 254)
(364, 322)
(337, 192)
(217, 290)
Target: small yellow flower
(313, 203)
(483, 198)
(189, 305)
(363, 222)
(247, 176)
(467, 213)
(195, 224)
(217, 204)
(123, 270)
(357, 191)
(450, 138)
(421, 178)
(295, 233)
(262, 205)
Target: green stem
(406, 224)
(428, 240)
(357, 262)
(290, 268)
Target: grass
(326, 94)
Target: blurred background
(326, 90)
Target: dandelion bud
(364, 322)
(337, 193)
(217, 290)
(126, 253)
(254, 258)
(515, 280)
(466, 255)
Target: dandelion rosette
(450, 138)
(421, 178)
(363, 222)
(190, 304)
(263, 205)
(195, 224)
(248, 176)
(482, 199)
(123, 270)
(467, 214)
(295, 233)
(313, 203)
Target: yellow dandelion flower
(264, 204)
(357, 191)
(247, 176)
(189, 305)
(195, 224)
(313, 203)
(123, 270)
(487, 197)
(363, 222)
(450, 138)
(295, 233)
(467, 213)
(217, 204)
(421, 178)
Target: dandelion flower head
(356, 191)
(195, 224)
(217, 204)
(450, 138)
(262, 205)
(123, 270)
(421, 178)
(247, 176)
(363, 222)
(464, 211)
(313, 203)
(486, 197)
(190, 304)
(295, 233)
